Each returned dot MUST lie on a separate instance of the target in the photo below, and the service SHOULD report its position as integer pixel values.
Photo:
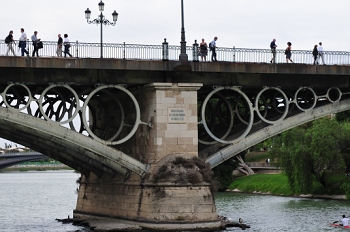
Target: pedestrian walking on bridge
(288, 52)
(23, 43)
(315, 54)
(66, 45)
(213, 47)
(273, 47)
(9, 41)
(320, 53)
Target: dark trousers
(213, 55)
(35, 49)
(66, 51)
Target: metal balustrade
(155, 52)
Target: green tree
(315, 152)
(223, 172)
(343, 116)
(325, 139)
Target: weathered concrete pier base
(166, 207)
(175, 194)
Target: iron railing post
(165, 50)
(234, 53)
(27, 46)
(124, 51)
(76, 50)
(195, 51)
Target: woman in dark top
(288, 52)
(315, 53)
(203, 47)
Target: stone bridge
(134, 128)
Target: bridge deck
(140, 72)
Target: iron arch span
(264, 133)
(80, 152)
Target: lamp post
(101, 20)
(183, 56)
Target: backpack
(210, 46)
(7, 40)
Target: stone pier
(176, 192)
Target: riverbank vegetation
(314, 157)
(276, 184)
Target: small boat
(338, 225)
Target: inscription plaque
(176, 115)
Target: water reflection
(273, 213)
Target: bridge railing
(155, 52)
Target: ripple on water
(31, 201)
(274, 213)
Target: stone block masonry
(158, 201)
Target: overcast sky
(239, 23)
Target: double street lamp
(101, 20)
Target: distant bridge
(8, 160)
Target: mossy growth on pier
(184, 171)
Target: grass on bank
(276, 184)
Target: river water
(31, 201)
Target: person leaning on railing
(9, 40)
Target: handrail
(155, 52)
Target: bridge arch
(80, 152)
(260, 135)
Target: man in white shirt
(320, 53)
(23, 43)
(345, 221)
(213, 49)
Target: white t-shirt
(345, 221)
(319, 49)
(23, 37)
(66, 41)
